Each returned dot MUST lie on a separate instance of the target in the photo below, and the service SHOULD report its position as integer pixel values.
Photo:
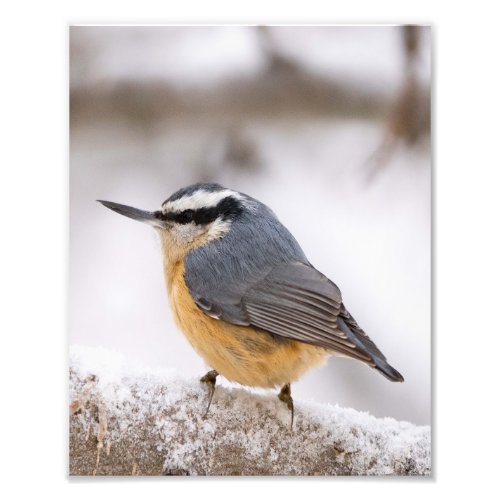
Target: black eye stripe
(228, 208)
(185, 217)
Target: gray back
(219, 274)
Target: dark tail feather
(388, 371)
(354, 333)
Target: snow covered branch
(128, 421)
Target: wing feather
(297, 302)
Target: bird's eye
(187, 216)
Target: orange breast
(241, 354)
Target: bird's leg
(210, 379)
(285, 395)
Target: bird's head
(191, 217)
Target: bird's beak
(134, 213)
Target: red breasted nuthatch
(245, 295)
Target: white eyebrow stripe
(199, 199)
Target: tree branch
(126, 421)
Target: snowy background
(295, 116)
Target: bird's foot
(285, 395)
(210, 379)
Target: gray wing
(295, 301)
(298, 302)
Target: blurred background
(329, 126)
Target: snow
(154, 424)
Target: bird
(245, 295)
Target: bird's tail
(388, 371)
(364, 344)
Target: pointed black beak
(134, 213)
